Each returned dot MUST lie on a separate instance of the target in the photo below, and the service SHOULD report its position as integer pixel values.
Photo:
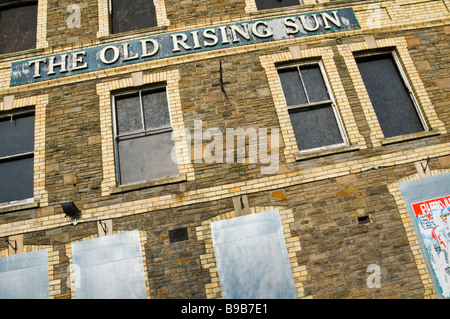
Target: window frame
(312, 105)
(129, 249)
(403, 77)
(110, 20)
(104, 18)
(262, 226)
(170, 79)
(28, 111)
(137, 134)
(250, 6)
(300, 2)
(19, 3)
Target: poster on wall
(432, 219)
(428, 202)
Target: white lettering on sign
(62, 64)
(115, 57)
(311, 23)
(77, 58)
(145, 50)
(266, 31)
(183, 42)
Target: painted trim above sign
(181, 43)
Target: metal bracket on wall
(424, 165)
(9, 243)
(222, 83)
(241, 205)
(104, 227)
(423, 168)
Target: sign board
(181, 43)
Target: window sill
(18, 205)
(408, 137)
(20, 55)
(349, 2)
(291, 10)
(328, 151)
(147, 184)
(129, 35)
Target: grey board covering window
(252, 257)
(24, 276)
(392, 100)
(270, 4)
(144, 141)
(16, 156)
(109, 267)
(18, 26)
(311, 107)
(132, 15)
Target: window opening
(143, 138)
(271, 4)
(16, 156)
(392, 98)
(18, 26)
(313, 112)
(131, 15)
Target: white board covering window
(24, 276)
(252, 257)
(109, 267)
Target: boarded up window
(18, 27)
(144, 141)
(269, 4)
(428, 203)
(311, 107)
(252, 257)
(24, 276)
(393, 102)
(16, 157)
(132, 15)
(109, 267)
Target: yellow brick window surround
(41, 36)
(394, 189)
(104, 16)
(209, 262)
(72, 267)
(138, 79)
(325, 55)
(400, 48)
(53, 261)
(39, 102)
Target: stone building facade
(327, 197)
